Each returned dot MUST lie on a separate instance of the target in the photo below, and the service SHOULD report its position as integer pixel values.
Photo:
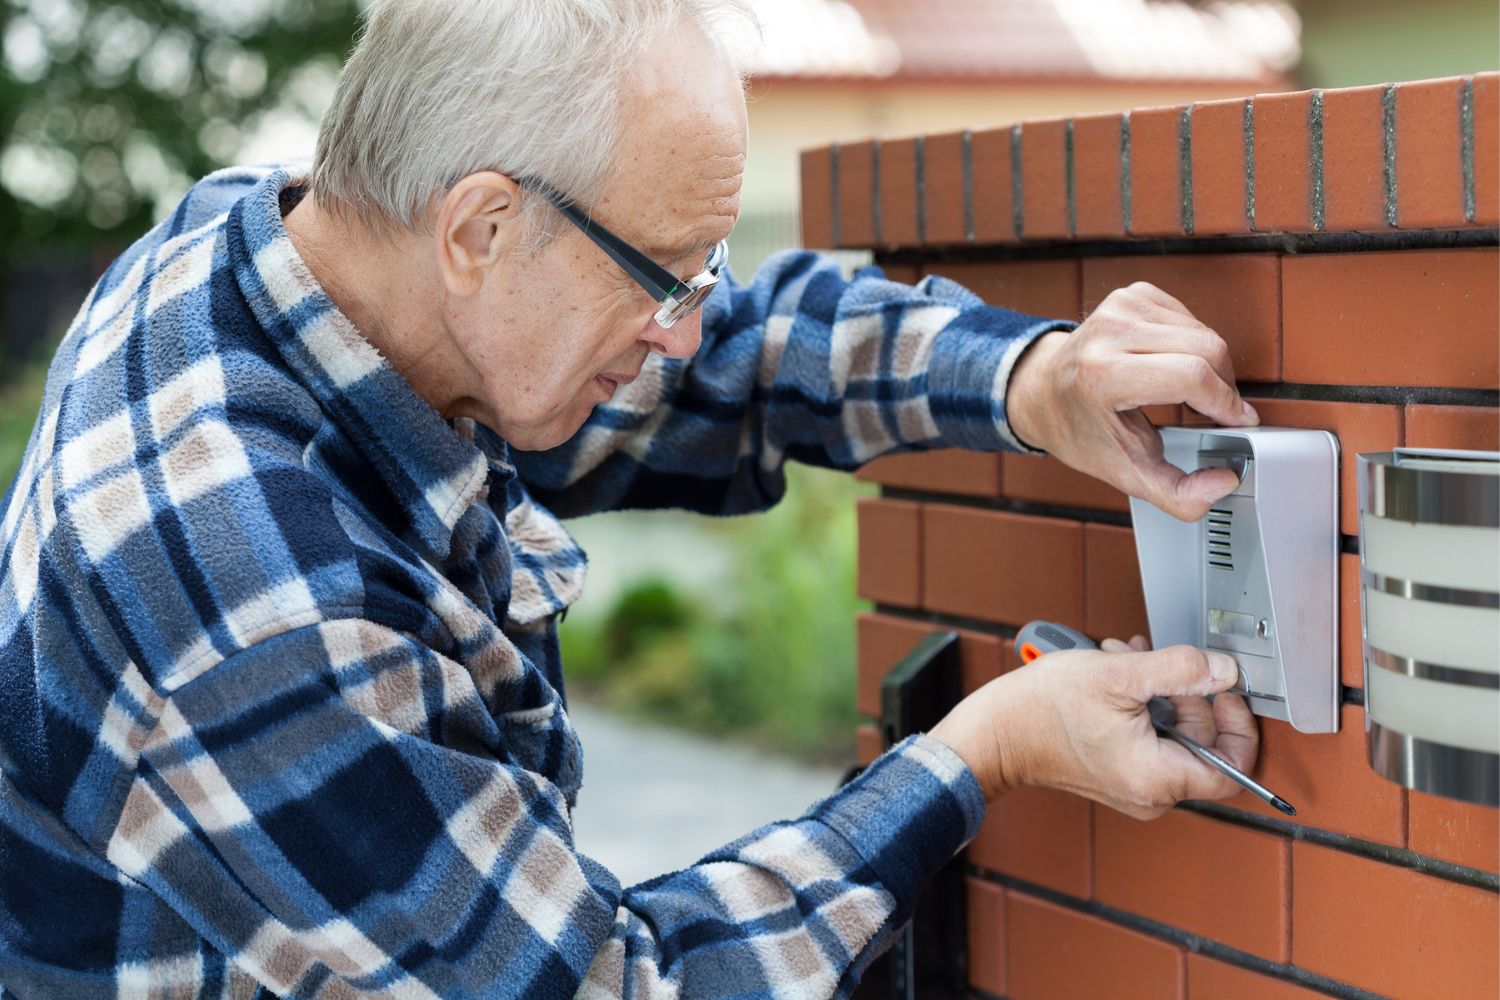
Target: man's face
(550, 336)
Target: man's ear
(477, 222)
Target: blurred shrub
(20, 399)
(771, 660)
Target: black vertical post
(928, 957)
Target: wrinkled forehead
(676, 180)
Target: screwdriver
(1039, 638)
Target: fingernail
(1222, 667)
(1249, 412)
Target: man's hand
(1077, 721)
(1078, 396)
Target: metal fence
(757, 235)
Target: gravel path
(655, 800)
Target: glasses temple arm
(640, 267)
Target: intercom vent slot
(1220, 539)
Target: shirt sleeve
(799, 364)
(336, 811)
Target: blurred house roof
(1254, 41)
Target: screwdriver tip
(1284, 806)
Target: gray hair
(436, 90)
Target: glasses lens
(695, 290)
(674, 310)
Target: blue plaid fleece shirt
(281, 706)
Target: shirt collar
(435, 471)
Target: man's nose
(680, 340)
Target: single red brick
(1173, 870)
(889, 551)
(856, 207)
(1487, 148)
(1052, 952)
(817, 198)
(1043, 479)
(1429, 159)
(1327, 777)
(1098, 210)
(1283, 162)
(1163, 414)
(1472, 428)
(949, 470)
(1461, 832)
(1358, 426)
(986, 936)
(1354, 159)
(1351, 643)
(908, 274)
(943, 182)
(1044, 180)
(1236, 295)
(898, 193)
(866, 743)
(1002, 567)
(994, 205)
(1156, 172)
(1208, 979)
(1391, 930)
(1114, 606)
(1039, 287)
(1039, 835)
(1406, 318)
(1219, 174)
(883, 640)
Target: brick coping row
(1398, 156)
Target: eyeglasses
(678, 297)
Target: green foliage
(771, 660)
(20, 399)
(114, 108)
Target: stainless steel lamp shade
(1429, 525)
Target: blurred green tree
(768, 657)
(110, 109)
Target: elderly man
(282, 704)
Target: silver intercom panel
(1257, 577)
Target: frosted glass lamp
(1429, 530)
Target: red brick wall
(1344, 244)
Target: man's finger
(1238, 736)
(1191, 778)
(1177, 670)
(1186, 496)
(1146, 379)
(1161, 297)
(1195, 717)
(1183, 337)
